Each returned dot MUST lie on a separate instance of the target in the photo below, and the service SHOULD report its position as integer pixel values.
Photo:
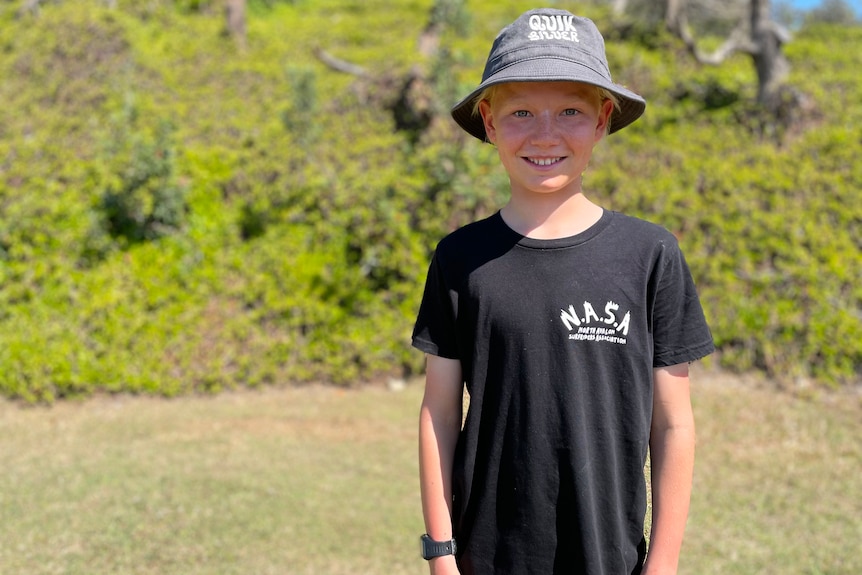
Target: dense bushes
(176, 215)
(770, 238)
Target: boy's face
(545, 132)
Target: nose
(546, 131)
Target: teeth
(544, 161)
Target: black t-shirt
(557, 340)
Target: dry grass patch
(777, 483)
(317, 480)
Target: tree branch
(737, 41)
(338, 64)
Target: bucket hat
(549, 45)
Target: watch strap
(432, 548)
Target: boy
(572, 328)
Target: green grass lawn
(323, 481)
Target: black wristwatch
(432, 549)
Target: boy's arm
(439, 425)
(672, 440)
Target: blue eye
(570, 112)
(522, 114)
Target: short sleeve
(680, 330)
(435, 331)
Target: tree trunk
(620, 6)
(29, 7)
(672, 15)
(235, 20)
(760, 37)
(769, 61)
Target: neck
(547, 218)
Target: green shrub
(279, 229)
(145, 201)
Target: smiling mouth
(543, 161)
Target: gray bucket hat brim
(573, 51)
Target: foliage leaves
(178, 216)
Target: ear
(488, 120)
(604, 119)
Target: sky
(808, 4)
